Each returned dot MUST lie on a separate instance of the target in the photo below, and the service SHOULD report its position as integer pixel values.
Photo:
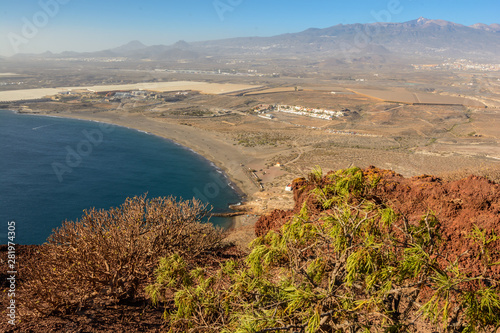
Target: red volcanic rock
(459, 206)
(272, 221)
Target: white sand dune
(203, 87)
(19, 95)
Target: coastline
(220, 152)
(176, 134)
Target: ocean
(51, 169)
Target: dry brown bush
(107, 254)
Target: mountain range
(417, 39)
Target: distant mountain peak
(481, 26)
(182, 44)
(422, 21)
(135, 43)
(130, 46)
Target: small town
(460, 64)
(300, 110)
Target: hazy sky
(31, 26)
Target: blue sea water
(51, 169)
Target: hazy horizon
(71, 25)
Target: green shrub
(355, 267)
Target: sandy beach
(214, 147)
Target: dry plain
(409, 139)
(216, 119)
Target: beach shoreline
(194, 145)
(223, 155)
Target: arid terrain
(265, 131)
(367, 157)
(234, 122)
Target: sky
(36, 26)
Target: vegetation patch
(262, 139)
(192, 111)
(345, 262)
(107, 254)
(358, 253)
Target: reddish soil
(458, 205)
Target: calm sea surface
(51, 169)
